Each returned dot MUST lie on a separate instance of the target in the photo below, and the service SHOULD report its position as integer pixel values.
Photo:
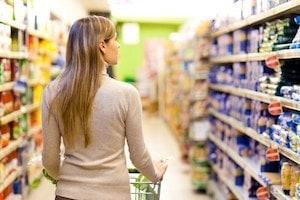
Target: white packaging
(6, 11)
(259, 6)
(247, 8)
(19, 10)
(236, 11)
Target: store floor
(177, 182)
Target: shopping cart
(141, 188)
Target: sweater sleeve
(139, 154)
(52, 139)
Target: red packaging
(17, 101)
(272, 154)
(33, 119)
(7, 191)
(38, 139)
(7, 70)
(7, 98)
(273, 62)
(5, 135)
(262, 193)
(275, 108)
(15, 70)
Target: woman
(94, 115)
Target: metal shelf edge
(261, 17)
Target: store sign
(131, 33)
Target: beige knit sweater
(98, 172)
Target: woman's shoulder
(51, 89)
(52, 86)
(123, 86)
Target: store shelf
(10, 85)
(199, 97)
(32, 83)
(282, 54)
(39, 34)
(7, 86)
(215, 191)
(283, 9)
(246, 164)
(266, 98)
(34, 130)
(13, 54)
(12, 116)
(31, 108)
(13, 24)
(276, 191)
(237, 191)
(253, 134)
(10, 179)
(200, 76)
(13, 145)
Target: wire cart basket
(141, 188)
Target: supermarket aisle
(177, 182)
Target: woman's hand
(161, 168)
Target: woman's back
(94, 114)
(100, 169)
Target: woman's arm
(138, 152)
(52, 139)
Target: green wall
(132, 56)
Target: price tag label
(273, 62)
(275, 108)
(262, 193)
(272, 154)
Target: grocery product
(7, 99)
(286, 177)
(5, 136)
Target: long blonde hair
(81, 78)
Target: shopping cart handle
(133, 170)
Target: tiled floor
(176, 184)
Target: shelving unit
(215, 191)
(13, 24)
(277, 192)
(245, 163)
(14, 115)
(7, 86)
(39, 34)
(10, 85)
(200, 76)
(13, 145)
(13, 54)
(266, 98)
(253, 134)
(10, 179)
(282, 54)
(34, 130)
(237, 191)
(34, 52)
(283, 9)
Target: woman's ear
(102, 47)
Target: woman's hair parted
(79, 82)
